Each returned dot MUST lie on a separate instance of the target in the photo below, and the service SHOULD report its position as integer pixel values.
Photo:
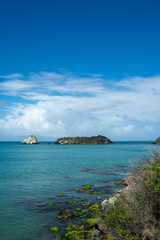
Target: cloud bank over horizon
(51, 105)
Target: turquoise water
(31, 175)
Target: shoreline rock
(129, 183)
(84, 140)
(157, 142)
(65, 214)
(30, 140)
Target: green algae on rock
(78, 209)
(89, 191)
(86, 187)
(85, 204)
(55, 229)
(99, 198)
(90, 221)
(74, 202)
(60, 195)
(95, 208)
(76, 232)
(47, 205)
(118, 183)
(68, 228)
(50, 204)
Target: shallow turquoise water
(31, 175)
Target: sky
(79, 68)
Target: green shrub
(136, 215)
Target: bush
(136, 215)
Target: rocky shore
(132, 213)
(94, 226)
(84, 140)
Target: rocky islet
(31, 140)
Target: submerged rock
(157, 141)
(60, 195)
(30, 140)
(84, 140)
(65, 214)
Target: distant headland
(157, 141)
(84, 140)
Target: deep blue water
(31, 175)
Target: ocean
(31, 176)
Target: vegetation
(136, 215)
(84, 140)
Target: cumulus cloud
(62, 104)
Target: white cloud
(15, 87)
(12, 76)
(149, 129)
(128, 128)
(123, 129)
(62, 104)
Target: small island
(157, 141)
(84, 140)
(30, 140)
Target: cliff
(84, 140)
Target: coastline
(90, 214)
(114, 217)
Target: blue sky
(79, 67)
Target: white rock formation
(30, 140)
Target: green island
(84, 140)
